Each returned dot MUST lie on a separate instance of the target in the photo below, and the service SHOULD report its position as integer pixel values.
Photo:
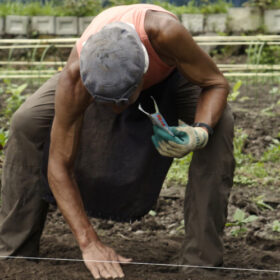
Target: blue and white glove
(185, 140)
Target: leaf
(239, 215)
(237, 86)
(152, 213)
(276, 226)
(20, 89)
(250, 219)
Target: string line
(145, 263)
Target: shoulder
(163, 27)
(70, 91)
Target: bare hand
(93, 256)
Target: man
(125, 55)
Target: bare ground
(157, 239)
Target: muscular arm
(176, 46)
(71, 101)
(70, 104)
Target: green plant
(179, 170)
(33, 8)
(238, 142)
(260, 203)
(152, 213)
(81, 8)
(239, 222)
(15, 98)
(3, 137)
(218, 7)
(235, 91)
(276, 226)
(181, 227)
(272, 154)
(263, 54)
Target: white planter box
(1, 25)
(216, 23)
(244, 19)
(83, 23)
(272, 21)
(193, 22)
(66, 26)
(16, 25)
(43, 24)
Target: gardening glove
(185, 140)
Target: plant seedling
(240, 221)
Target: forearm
(211, 105)
(68, 198)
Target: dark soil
(157, 239)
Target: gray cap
(112, 63)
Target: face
(119, 108)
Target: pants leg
(208, 189)
(23, 212)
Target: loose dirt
(158, 239)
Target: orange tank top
(135, 14)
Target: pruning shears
(157, 118)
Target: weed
(276, 226)
(15, 98)
(152, 213)
(235, 91)
(272, 154)
(181, 227)
(3, 138)
(260, 203)
(179, 170)
(239, 222)
(263, 54)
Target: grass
(92, 8)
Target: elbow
(57, 172)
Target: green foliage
(181, 227)
(239, 222)
(123, 2)
(15, 98)
(238, 144)
(263, 54)
(259, 201)
(179, 170)
(193, 8)
(276, 226)
(235, 91)
(81, 8)
(217, 7)
(93, 7)
(28, 9)
(3, 137)
(262, 4)
(152, 213)
(272, 154)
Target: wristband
(209, 128)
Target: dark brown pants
(23, 212)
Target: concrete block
(244, 19)
(43, 24)
(2, 25)
(83, 23)
(193, 22)
(66, 26)
(272, 21)
(215, 23)
(17, 25)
